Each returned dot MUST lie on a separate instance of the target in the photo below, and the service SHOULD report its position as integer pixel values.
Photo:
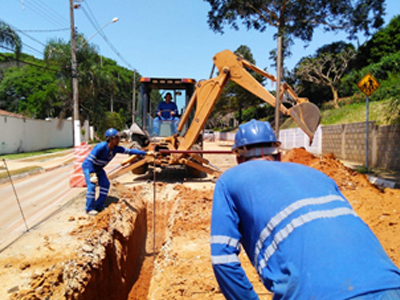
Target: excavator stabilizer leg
(307, 116)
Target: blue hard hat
(254, 132)
(111, 132)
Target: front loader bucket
(307, 116)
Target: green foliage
(112, 120)
(383, 42)
(265, 112)
(39, 92)
(9, 38)
(29, 90)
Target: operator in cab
(298, 230)
(166, 111)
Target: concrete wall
(348, 142)
(26, 135)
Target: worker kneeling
(98, 158)
(300, 233)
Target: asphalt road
(39, 196)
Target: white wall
(26, 135)
(296, 138)
(290, 138)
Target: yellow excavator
(181, 149)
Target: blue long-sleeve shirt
(300, 233)
(166, 109)
(101, 155)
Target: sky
(158, 38)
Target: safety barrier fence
(76, 178)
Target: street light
(112, 21)
(77, 123)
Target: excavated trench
(124, 267)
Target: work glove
(151, 153)
(93, 178)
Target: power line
(43, 30)
(104, 36)
(34, 49)
(43, 13)
(32, 38)
(56, 13)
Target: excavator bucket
(307, 116)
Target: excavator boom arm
(232, 67)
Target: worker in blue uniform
(98, 158)
(300, 233)
(166, 111)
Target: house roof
(10, 114)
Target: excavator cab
(154, 91)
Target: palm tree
(9, 38)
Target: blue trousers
(104, 184)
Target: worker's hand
(93, 178)
(172, 113)
(159, 113)
(151, 153)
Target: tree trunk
(335, 93)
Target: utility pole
(74, 71)
(134, 97)
(278, 83)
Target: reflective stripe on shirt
(97, 161)
(295, 223)
(279, 217)
(223, 239)
(224, 259)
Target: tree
(30, 90)
(296, 19)
(102, 83)
(234, 97)
(327, 68)
(383, 42)
(9, 38)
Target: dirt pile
(379, 209)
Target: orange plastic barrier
(76, 178)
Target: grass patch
(356, 112)
(362, 170)
(352, 113)
(4, 173)
(37, 153)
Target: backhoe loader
(204, 98)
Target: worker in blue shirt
(300, 233)
(166, 111)
(98, 158)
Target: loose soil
(114, 256)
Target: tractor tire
(141, 170)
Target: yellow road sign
(368, 85)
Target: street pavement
(29, 198)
